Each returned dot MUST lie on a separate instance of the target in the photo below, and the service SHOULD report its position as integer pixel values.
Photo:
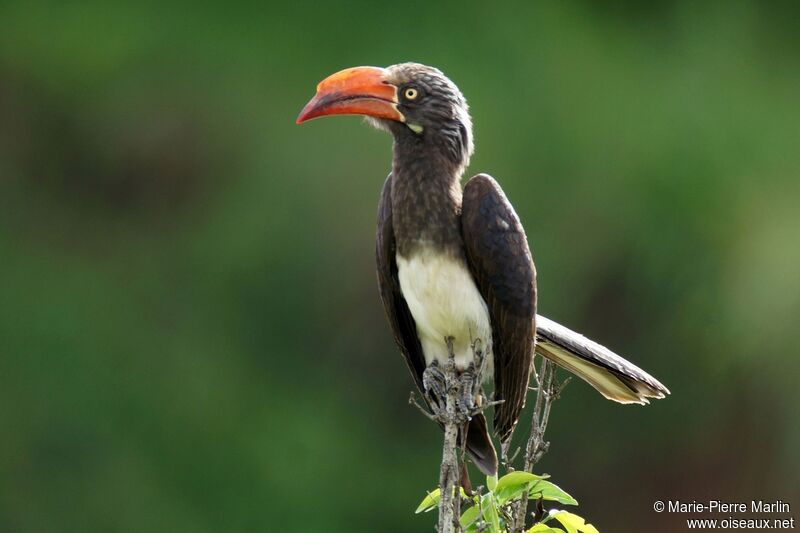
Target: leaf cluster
(491, 510)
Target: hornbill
(454, 267)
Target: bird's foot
(466, 397)
(435, 385)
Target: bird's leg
(481, 360)
(433, 381)
(466, 397)
(470, 397)
(455, 384)
(440, 381)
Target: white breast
(444, 302)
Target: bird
(454, 266)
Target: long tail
(614, 377)
(479, 445)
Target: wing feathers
(500, 261)
(397, 312)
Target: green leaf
(491, 482)
(469, 516)
(568, 526)
(506, 495)
(512, 485)
(490, 514)
(543, 528)
(514, 479)
(573, 523)
(545, 490)
(431, 501)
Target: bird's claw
(435, 385)
(466, 397)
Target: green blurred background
(190, 334)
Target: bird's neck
(426, 199)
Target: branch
(453, 398)
(547, 391)
(450, 417)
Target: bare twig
(509, 460)
(546, 393)
(412, 400)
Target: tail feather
(614, 377)
(479, 446)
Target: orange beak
(354, 91)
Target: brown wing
(397, 313)
(498, 255)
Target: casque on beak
(354, 91)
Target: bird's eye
(411, 93)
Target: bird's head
(418, 104)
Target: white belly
(445, 302)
